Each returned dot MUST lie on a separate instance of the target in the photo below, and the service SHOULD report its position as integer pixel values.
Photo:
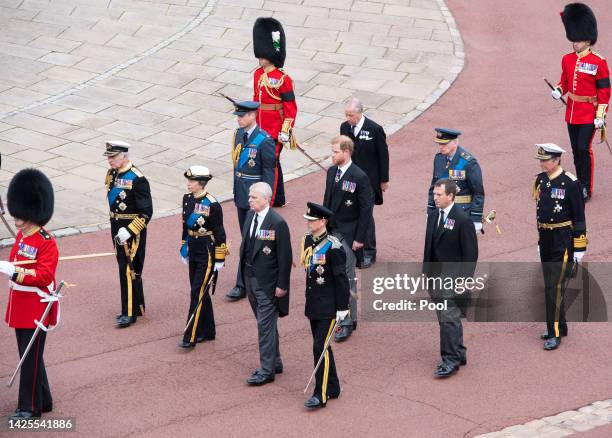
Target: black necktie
(441, 221)
(245, 138)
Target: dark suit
(265, 262)
(372, 156)
(451, 251)
(351, 200)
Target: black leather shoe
(125, 321)
(446, 370)
(259, 379)
(314, 403)
(20, 415)
(185, 344)
(118, 315)
(343, 333)
(278, 370)
(463, 361)
(552, 343)
(237, 293)
(334, 396)
(365, 263)
(546, 336)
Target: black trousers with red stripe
(203, 323)
(278, 191)
(581, 138)
(34, 392)
(556, 254)
(327, 383)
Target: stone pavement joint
(149, 73)
(565, 423)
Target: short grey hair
(355, 104)
(263, 189)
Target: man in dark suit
(348, 194)
(265, 264)
(451, 251)
(372, 156)
(253, 155)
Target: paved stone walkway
(78, 72)
(566, 423)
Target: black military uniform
(203, 246)
(464, 170)
(131, 208)
(562, 237)
(327, 292)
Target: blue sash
(191, 221)
(320, 252)
(114, 192)
(244, 153)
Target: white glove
(599, 123)
(122, 235)
(185, 260)
(538, 248)
(341, 314)
(578, 256)
(556, 94)
(7, 268)
(478, 226)
(219, 265)
(283, 137)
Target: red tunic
(585, 74)
(274, 90)
(24, 306)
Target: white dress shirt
(446, 212)
(358, 126)
(343, 169)
(260, 218)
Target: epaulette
(334, 241)
(44, 234)
(211, 198)
(598, 55)
(137, 171)
(571, 175)
(466, 156)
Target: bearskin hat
(30, 197)
(269, 40)
(580, 23)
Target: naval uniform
(562, 232)
(131, 207)
(203, 244)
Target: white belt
(46, 297)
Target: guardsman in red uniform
(30, 202)
(273, 89)
(585, 79)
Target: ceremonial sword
(211, 281)
(325, 347)
(56, 295)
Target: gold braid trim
(264, 82)
(221, 251)
(580, 242)
(236, 149)
(306, 254)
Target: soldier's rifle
(55, 297)
(604, 140)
